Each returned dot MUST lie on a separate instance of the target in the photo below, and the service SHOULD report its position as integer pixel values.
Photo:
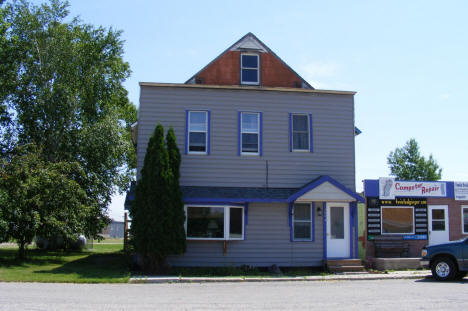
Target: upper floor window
(197, 132)
(250, 138)
(250, 73)
(300, 132)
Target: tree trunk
(155, 264)
(22, 250)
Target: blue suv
(447, 261)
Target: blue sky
(407, 60)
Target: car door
(465, 254)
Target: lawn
(104, 263)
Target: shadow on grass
(9, 258)
(103, 267)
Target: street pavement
(401, 294)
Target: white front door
(438, 224)
(338, 230)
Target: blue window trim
(311, 136)
(246, 219)
(186, 131)
(208, 135)
(239, 134)
(290, 132)
(291, 223)
(208, 131)
(324, 213)
(260, 139)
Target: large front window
(215, 222)
(397, 220)
(197, 131)
(250, 133)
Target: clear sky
(407, 60)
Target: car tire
(444, 269)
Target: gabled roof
(324, 180)
(250, 42)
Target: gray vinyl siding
(267, 242)
(333, 135)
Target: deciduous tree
(68, 99)
(407, 163)
(41, 198)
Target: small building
(268, 162)
(404, 216)
(114, 230)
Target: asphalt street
(329, 295)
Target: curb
(360, 277)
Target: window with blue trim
(250, 73)
(303, 222)
(250, 133)
(300, 132)
(197, 132)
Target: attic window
(250, 69)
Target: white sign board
(389, 188)
(461, 190)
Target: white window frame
(292, 132)
(463, 207)
(250, 132)
(395, 207)
(257, 68)
(189, 131)
(226, 222)
(303, 221)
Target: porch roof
(328, 188)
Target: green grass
(105, 263)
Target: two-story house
(268, 165)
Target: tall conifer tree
(157, 213)
(176, 203)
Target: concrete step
(335, 269)
(344, 262)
